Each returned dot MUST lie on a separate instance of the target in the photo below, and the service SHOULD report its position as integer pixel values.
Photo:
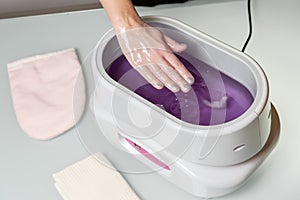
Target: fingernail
(175, 88)
(183, 45)
(159, 85)
(186, 88)
(190, 80)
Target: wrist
(127, 22)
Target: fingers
(173, 74)
(167, 71)
(163, 77)
(175, 46)
(149, 77)
(179, 67)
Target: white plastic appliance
(206, 161)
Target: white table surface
(27, 165)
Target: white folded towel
(93, 178)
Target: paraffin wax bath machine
(207, 141)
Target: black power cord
(250, 25)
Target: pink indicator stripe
(147, 154)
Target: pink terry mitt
(48, 93)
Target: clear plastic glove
(150, 52)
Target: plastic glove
(150, 52)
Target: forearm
(121, 13)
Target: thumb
(175, 46)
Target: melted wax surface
(215, 98)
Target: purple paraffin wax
(215, 98)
